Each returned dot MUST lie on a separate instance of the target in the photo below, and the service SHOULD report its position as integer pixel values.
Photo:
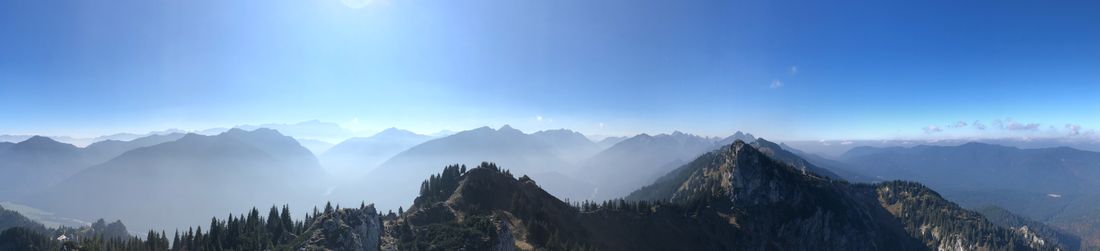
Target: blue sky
(779, 69)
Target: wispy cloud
(959, 124)
(1012, 125)
(978, 125)
(1074, 129)
(794, 70)
(932, 129)
(776, 84)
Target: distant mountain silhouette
(5, 145)
(191, 179)
(611, 141)
(538, 155)
(104, 150)
(639, 160)
(318, 147)
(835, 148)
(36, 163)
(358, 156)
(312, 129)
(571, 146)
(777, 152)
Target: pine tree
(274, 224)
(176, 241)
(287, 222)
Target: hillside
(234, 169)
(1058, 186)
(36, 163)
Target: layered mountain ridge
(732, 198)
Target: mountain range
(639, 160)
(708, 193)
(539, 154)
(1052, 190)
(358, 156)
(733, 198)
(191, 178)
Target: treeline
(251, 231)
(20, 233)
(439, 186)
(20, 238)
(244, 232)
(620, 205)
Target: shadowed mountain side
(109, 149)
(393, 182)
(36, 163)
(356, 157)
(191, 179)
(639, 160)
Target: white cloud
(601, 125)
(1074, 129)
(538, 118)
(959, 124)
(931, 129)
(775, 84)
(794, 70)
(1012, 125)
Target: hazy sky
(780, 69)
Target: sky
(792, 70)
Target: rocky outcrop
(346, 229)
(505, 240)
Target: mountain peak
(261, 131)
(42, 142)
(39, 140)
(394, 131)
(505, 127)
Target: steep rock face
(505, 240)
(346, 229)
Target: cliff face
(345, 229)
